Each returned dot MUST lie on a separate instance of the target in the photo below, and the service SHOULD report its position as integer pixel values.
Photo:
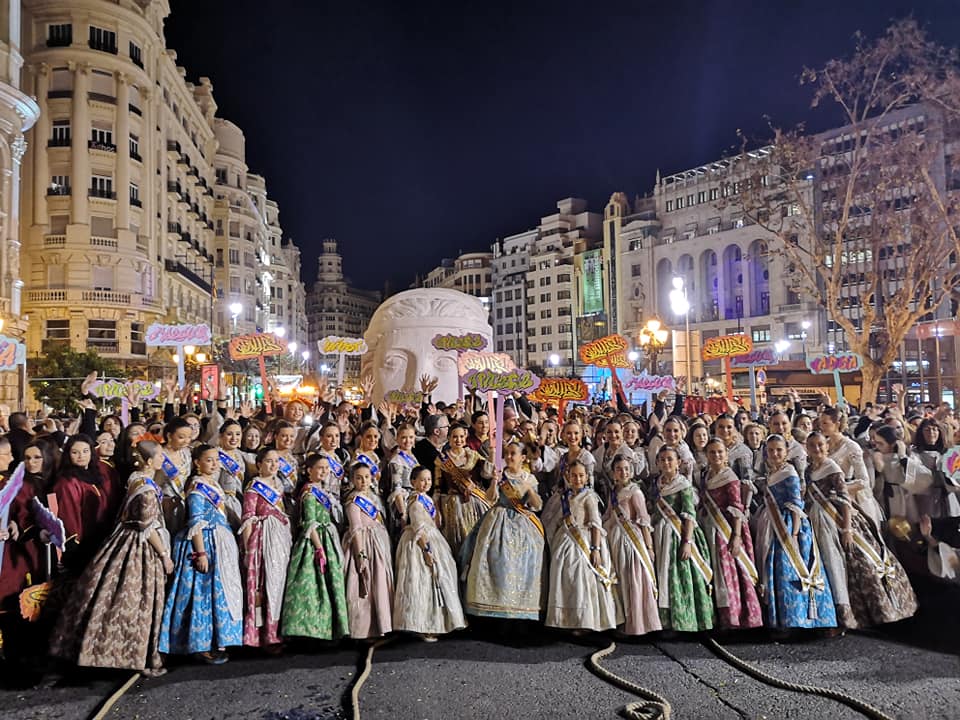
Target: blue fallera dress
(797, 591)
(204, 611)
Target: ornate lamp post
(653, 338)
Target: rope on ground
(861, 707)
(108, 704)
(364, 674)
(654, 707)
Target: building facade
(511, 261)
(470, 273)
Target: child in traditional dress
(427, 599)
(731, 548)
(265, 528)
(398, 470)
(204, 608)
(505, 550)
(572, 436)
(684, 573)
(581, 574)
(631, 550)
(315, 603)
(369, 568)
(113, 618)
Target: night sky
(411, 131)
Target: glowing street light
(781, 346)
(280, 331)
(680, 305)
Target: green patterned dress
(315, 603)
(684, 600)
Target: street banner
(649, 383)
(950, 465)
(209, 382)
(120, 389)
(404, 397)
(257, 346)
(751, 361)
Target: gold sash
(811, 580)
(703, 567)
(640, 546)
(723, 526)
(607, 578)
(882, 563)
(462, 481)
(510, 492)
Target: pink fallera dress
(370, 615)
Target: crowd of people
(195, 529)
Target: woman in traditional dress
(905, 477)
(697, 437)
(571, 451)
(315, 603)
(265, 528)
(683, 561)
(368, 442)
(113, 618)
(369, 566)
(460, 480)
(796, 591)
(627, 523)
(869, 585)
(250, 444)
(731, 548)
(940, 499)
(426, 598)
(399, 469)
(581, 573)
(204, 608)
(173, 476)
(288, 467)
(337, 459)
(848, 454)
(505, 550)
(232, 469)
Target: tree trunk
(871, 373)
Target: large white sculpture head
(400, 334)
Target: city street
(910, 671)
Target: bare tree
(865, 216)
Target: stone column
(746, 265)
(41, 136)
(80, 179)
(122, 140)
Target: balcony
(134, 155)
(183, 160)
(173, 147)
(59, 142)
(187, 238)
(103, 47)
(102, 146)
(76, 297)
(134, 109)
(61, 40)
(138, 347)
(105, 297)
(52, 344)
(103, 242)
(174, 187)
(102, 193)
(179, 268)
(135, 202)
(102, 345)
(101, 97)
(58, 190)
(174, 228)
(54, 240)
(54, 94)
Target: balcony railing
(101, 193)
(173, 146)
(80, 296)
(59, 190)
(53, 94)
(105, 147)
(104, 242)
(134, 109)
(51, 344)
(174, 228)
(103, 346)
(103, 47)
(105, 296)
(136, 202)
(101, 97)
(54, 240)
(175, 266)
(59, 142)
(135, 156)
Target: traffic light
(258, 391)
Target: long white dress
(581, 596)
(426, 600)
(849, 456)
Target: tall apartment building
(288, 306)
(118, 228)
(511, 260)
(335, 307)
(469, 273)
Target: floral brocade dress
(266, 556)
(315, 603)
(369, 568)
(460, 497)
(684, 585)
(797, 591)
(204, 611)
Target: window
(137, 344)
(101, 186)
(680, 203)
(102, 277)
(544, 314)
(714, 193)
(234, 256)
(58, 330)
(234, 285)
(761, 334)
(563, 278)
(636, 270)
(59, 185)
(547, 347)
(135, 195)
(60, 35)
(102, 335)
(545, 297)
(136, 55)
(563, 294)
(60, 133)
(701, 196)
(56, 277)
(135, 147)
(563, 311)
(105, 40)
(546, 330)
(669, 205)
(102, 139)
(544, 281)
(508, 312)
(689, 200)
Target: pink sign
(839, 362)
(762, 356)
(649, 383)
(160, 335)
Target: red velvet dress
(88, 510)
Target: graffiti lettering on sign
(460, 343)
(725, 346)
(839, 362)
(950, 464)
(335, 345)
(244, 347)
(402, 397)
(12, 353)
(763, 356)
(649, 383)
(160, 335)
(117, 388)
(554, 389)
(497, 362)
(611, 349)
(504, 382)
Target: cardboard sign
(761, 356)
(649, 383)
(209, 382)
(160, 335)
(836, 363)
(119, 389)
(561, 389)
(12, 353)
(244, 347)
(724, 346)
(403, 397)
(609, 351)
(496, 362)
(334, 345)
(502, 382)
(460, 343)
(950, 464)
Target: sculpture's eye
(395, 361)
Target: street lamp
(805, 326)
(681, 306)
(292, 347)
(781, 346)
(280, 331)
(653, 338)
(235, 310)
(554, 361)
